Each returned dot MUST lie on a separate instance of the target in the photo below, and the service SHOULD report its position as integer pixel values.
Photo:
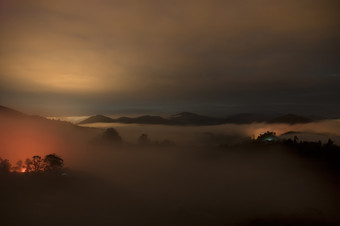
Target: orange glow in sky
(22, 140)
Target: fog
(192, 181)
(182, 186)
(188, 134)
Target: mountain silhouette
(97, 118)
(184, 118)
(291, 119)
(188, 118)
(145, 119)
(245, 118)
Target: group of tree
(267, 137)
(145, 141)
(5, 165)
(111, 137)
(50, 163)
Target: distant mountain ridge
(245, 118)
(188, 118)
(145, 119)
(181, 119)
(97, 118)
(291, 119)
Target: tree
(53, 162)
(329, 143)
(37, 162)
(18, 166)
(28, 165)
(295, 139)
(111, 135)
(267, 137)
(5, 165)
(144, 139)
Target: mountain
(97, 118)
(184, 118)
(245, 118)
(291, 119)
(290, 133)
(188, 118)
(145, 119)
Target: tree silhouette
(53, 162)
(329, 143)
(267, 137)
(5, 165)
(144, 139)
(28, 165)
(295, 139)
(37, 162)
(18, 166)
(111, 135)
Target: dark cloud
(171, 54)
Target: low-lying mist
(191, 134)
(189, 180)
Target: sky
(216, 57)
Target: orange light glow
(20, 140)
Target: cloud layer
(170, 54)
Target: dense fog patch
(209, 175)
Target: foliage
(18, 167)
(50, 163)
(267, 137)
(37, 163)
(5, 165)
(53, 162)
(28, 165)
(144, 139)
(111, 135)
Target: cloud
(128, 51)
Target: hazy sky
(148, 56)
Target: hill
(245, 118)
(184, 118)
(145, 119)
(291, 119)
(5, 111)
(188, 118)
(97, 118)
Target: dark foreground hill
(5, 111)
(210, 187)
